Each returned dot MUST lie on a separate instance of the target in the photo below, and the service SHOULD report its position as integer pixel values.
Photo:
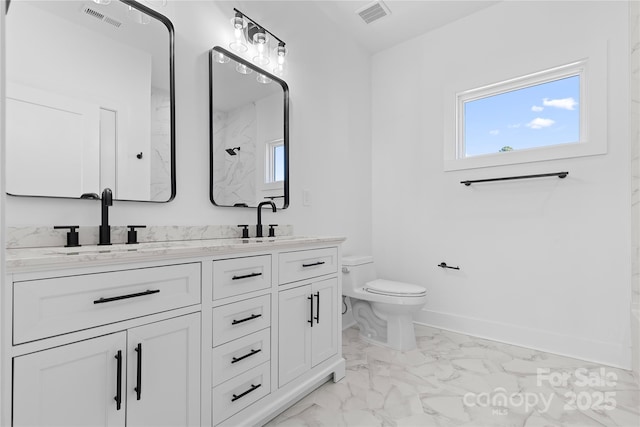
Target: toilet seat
(396, 289)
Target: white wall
(330, 130)
(634, 129)
(544, 263)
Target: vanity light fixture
(246, 29)
(102, 2)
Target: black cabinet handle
(444, 265)
(317, 307)
(121, 297)
(251, 353)
(118, 397)
(313, 264)
(310, 298)
(138, 387)
(246, 276)
(238, 396)
(246, 319)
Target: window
(535, 116)
(275, 161)
(540, 116)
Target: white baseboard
(606, 353)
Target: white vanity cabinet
(146, 375)
(308, 318)
(108, 348)
(308, 313)
(223, 334)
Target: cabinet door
(163, 385)
(71, 385)
(294, 341)
(324, 334)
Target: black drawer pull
(313, 264)
(237, 359)
(310, 298)
(317, 317)
(118, 298)
(118, 397)
(246, 276)
(238, 396)
(246, 319)
(138, 387)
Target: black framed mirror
(249, 133)
(90, 100)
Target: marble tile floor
(457, 380)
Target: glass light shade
(260, 41)
(238, 45)
(260, 37)
(220, 57)
(243, 69)
(104, 2)
(237, 22)
(261, 78)
(281, 52)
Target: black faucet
(105, 229)
(259, 226)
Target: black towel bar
(508, 178)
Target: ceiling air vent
(373, 12)
(101, 16)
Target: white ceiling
(408, 19)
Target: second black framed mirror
(249, 133)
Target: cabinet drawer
(241, 275)
(233, 358)
(301, 265)
(241, 318)
(236, 394)
(48, 307)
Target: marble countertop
(33, 259)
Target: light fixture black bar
(273, 35)
(508, 178)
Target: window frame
(269, 178)
(591, 72)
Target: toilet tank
(356, 271)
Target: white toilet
(383, 309)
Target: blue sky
(536, 116)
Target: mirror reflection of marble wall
(247, 120)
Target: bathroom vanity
(202, 332)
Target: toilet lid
(398, 289)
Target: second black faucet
(259, 225)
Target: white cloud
(564, 103)
(536, 108)
(494, 132)
(539, 123)
(514, 126)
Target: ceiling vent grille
(373, 12)
(101, 16)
